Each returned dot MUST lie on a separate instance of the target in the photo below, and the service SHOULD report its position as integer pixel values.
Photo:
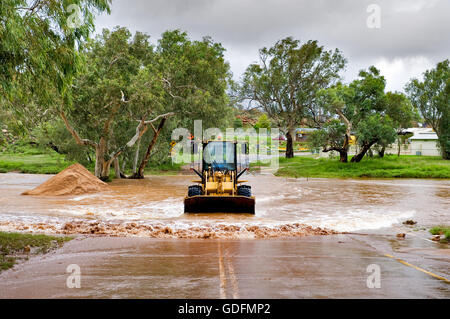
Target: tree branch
(140, 131)
(78, 139)
(159, 117)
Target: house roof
(422, 134)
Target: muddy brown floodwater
(284, 207)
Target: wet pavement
(311, 267)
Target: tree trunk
(381, 152)
(140, 173)
(117, 169)
(399, 147)
(102, 166)
(289, 144)
(105, 170)
(343, 156)
(99, 157)
(365, 148)
(444, 151)
(136, 157)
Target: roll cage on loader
(219, 165)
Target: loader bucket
(219, 204)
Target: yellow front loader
(219, 189)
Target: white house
(424, 142)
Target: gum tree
(359, 109)
(371, 123)
(115, 97)
(39, 57)
(130, 87)
(335, 133)
(402, 113)
(432, 98)
(285, 81)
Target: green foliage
(376, 128)
(369, 93)
(432, 97)
(263, 122)
(332, 135)
(387, 167)
(38, 51)
(285, 81)
(178, 75)
(441, 230)
(361, 108)
(54, 135)
(237, 123)
(199, 74)
(400, 110)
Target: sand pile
(74, 180)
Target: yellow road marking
(233, 280)
(419, 269)
(404, 262)
(223, 278)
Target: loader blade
(219, 204)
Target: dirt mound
(74, 180)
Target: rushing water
(337, 204)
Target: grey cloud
(409, 28)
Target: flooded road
(343, 205)
(125, 264)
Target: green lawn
(36, 161)
(388, 167)
(49, 163)
(15, 246)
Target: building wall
(427, 147)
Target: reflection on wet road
(313, 267)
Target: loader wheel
(245, 190)
(194, 190)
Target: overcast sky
(414, 34)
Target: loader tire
(194, 190)
(245, 190)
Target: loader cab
(220, 156)
(219, 164)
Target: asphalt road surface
(338, 266)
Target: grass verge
(442, 230)
(33, 160)
(387, 167)
(15, 247)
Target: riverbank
(387, 167)
(15, 247)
